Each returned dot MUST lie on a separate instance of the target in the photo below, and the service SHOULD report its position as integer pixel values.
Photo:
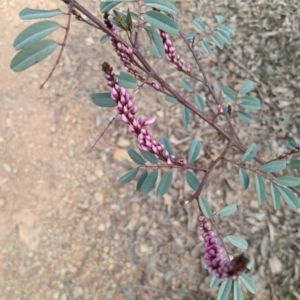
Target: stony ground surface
(69, 231)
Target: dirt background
(69, 231)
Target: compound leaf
(289, 197)
(162, 22)
(127, 177)
(250, 102)
(273, 166)
(149, 156)
(245, 117)
(275, 196)
(228, 93)
(126, 80)
(206, 47)
(31, 14)
(288, 180)
(192, 180)
(199, 24)
(32, 55)
(204, 206)
(217, 40)
(260, 188)
(224, 289)
(244, 178)
(157, 46)
(149, 182)
(194, 150)
(34, 33)
(103, 100)
(164, 184)
(246, 87)
(185, 113)
(136, 157)
(141, 181)
(248, 283)
(237, 241)
(199, 102)
(227, 210)
(250, 152)
(186, 85)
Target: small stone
(101, 227)
(275, 265)
(116, 236)
(144, 248)
(254, 204)
(56, 295)
(99, 173)
(99, 198)
(135, 207)
(84, 205)
(6, 168)
(91, 178)
(63, 297)
(168, 200)
(77, 292)
(131, 225)
(2, 202)
(123, 143)
(89, 41)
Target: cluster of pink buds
(125, 53)
(213, 256)
(128, 110)
(286, 154)
(171, 55)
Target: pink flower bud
(124, 119)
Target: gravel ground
(69, 231)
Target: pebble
(91, 178)
(123, 143)
(63, 297)
(56, 295)
(2, 202)
(77, 292)
(99, 198)
(6, 168)
(275, 265)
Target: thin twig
(63, 45)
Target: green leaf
(157, 46)
(206, 48)
(127, 177)
(199, 102)
(149, 156)
(230, 29)
(34, 33)
(250, 102)
(103, 100)
(237, 241)
(162, 22)
(224, 289)
(190, 36)
(162, 5)
(224, 36)
(136, 157)
(275, 196)
(244, 178)
(164, 184)
(204, 206)
(227, 210)
(166, 144)
(186, 85)
(192, 180)
(141, 181)
(289, 197)
(273, 166)
(185, 113)
(294, 164)
(288, 180)
(149, 182)
(219, 19)
(199, 24)
(248, 283)
(126, 80)
(237, 291)
(214, 281)
(32, 55)
(244, 116)
(104, 39)
(291, 145)
(106, 6)
(260, 188)
(246, 87)
(228, 93)
(171, 99)
(217, 40)
(31, 14)
(250, 153)
(194, 150)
